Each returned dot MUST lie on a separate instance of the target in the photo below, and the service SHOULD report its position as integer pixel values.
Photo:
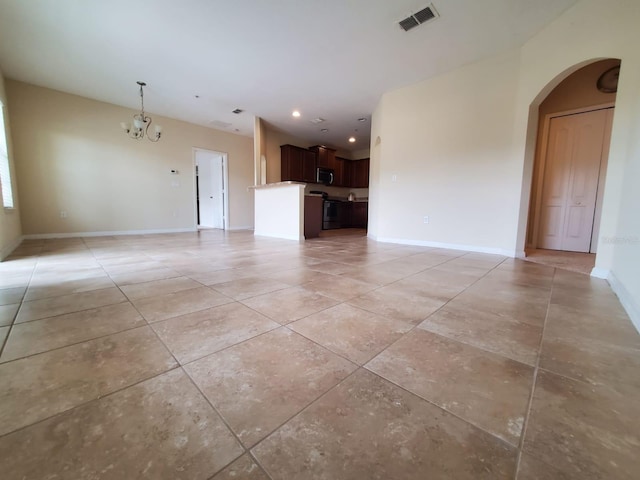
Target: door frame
(225, 190)
(542, 162)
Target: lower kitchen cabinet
(355, 214)
(359, 214)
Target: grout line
(533, 383)
(15, 315)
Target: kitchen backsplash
(338, 192)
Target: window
(5, 173)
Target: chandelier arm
(147, 130)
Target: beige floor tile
(285, 306)
(248, 287)
(333, 268)
(368, 428)
(584, 430)
(55, 288)
(4, 331)
(8, 313)
(158, 287)
(179, 303)
(49, 307)
(523, 308)
(396, 301)
(299, 276)
(129, 278)
(9, 296)
(340, 288)
(573, 323)
(495, 333)
(42, 335)
(40, 386)
(160, 428)
(591, 361)
(195, 335)
(351, 332)
(258, 385)
(531, 468)
(14, 281)
(436, 283)
(242, 469)
(487, 390)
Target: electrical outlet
(394, 178)
(426, 219)
(63, 214)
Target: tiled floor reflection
(219, 355)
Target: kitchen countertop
(277, 184)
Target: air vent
(237, 111)
(423, 16)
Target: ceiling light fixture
(295, 113)
(324, 130)
(352, 139)
(141, 122)
(362, 119)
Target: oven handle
(331, 181)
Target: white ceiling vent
(423, 16)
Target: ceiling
(331, 59)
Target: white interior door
(570, 185)
(210, 178)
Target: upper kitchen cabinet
(360, 173)
(326, 157)
(347, 172)
(297, 164)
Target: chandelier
(141, 122)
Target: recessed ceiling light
(197, 96)
(237, 111)
(295, 113)
(324, 130)
(362, 119)
(318, 120)
(352, 139)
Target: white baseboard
(234, 229)
(283, 237)
(626, 299)
(598, 272)
(6, 251)
(39, 236)
(450, 246)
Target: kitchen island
(283, 211)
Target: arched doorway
(572, 143)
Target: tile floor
(225, 356)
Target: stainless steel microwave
(324, 175)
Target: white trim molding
(598, 272)
(451, 246)
(38, 236)
(626, 299)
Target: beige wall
(462, 145)
(446, 153)
(71, 155)
(10, 228)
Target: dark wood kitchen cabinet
(360, 173)
(359, 214)
(297, 164)
(326, 157)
